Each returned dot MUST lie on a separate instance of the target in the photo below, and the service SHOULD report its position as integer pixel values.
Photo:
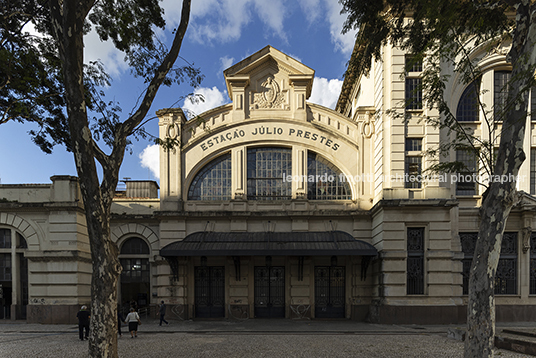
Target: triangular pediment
(527, 202)
(268, 74)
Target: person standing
(83, 322)
(120, 320)
(162, 312)
(133, 319)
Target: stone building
(272, 206)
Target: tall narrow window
(465, 181)
(413, 83)
(500, 93)
(413, 163)
(327, 181)
(266, 168)
(506, 275)
(533, 171)
(533, 104)
(468, 241)
(415, 261)
(213, 182)
(533, 264)
(467, 110)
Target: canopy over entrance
(269, 243)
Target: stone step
(520, 341)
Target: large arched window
(325, 181)
(213, 182)
(467, 110)
(266, 170)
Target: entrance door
(209, 291)
(270, 292)
(329, 292)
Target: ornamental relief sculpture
(270, 96)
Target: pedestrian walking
(162, 313)
(120, 320)
(83, 322)
(133, 320)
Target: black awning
(269, 243)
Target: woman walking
(133, 319)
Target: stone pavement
(247, 338)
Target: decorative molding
(270, 96)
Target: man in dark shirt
(83, 322)
(162, 313)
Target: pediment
(268, 74)
(527, 202)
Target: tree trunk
(500, 196)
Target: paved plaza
(250, 338)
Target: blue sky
(220, 34)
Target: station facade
(275, 207)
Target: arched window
(134, 246)
(467, 110)
(325, 181)
(213, 182)
(267, 168)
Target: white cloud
(223, 20)
(105, 52)
(326, 92)
(344, 43)
(226, 62)
(312, 9)
(213, 98)
(150, 158)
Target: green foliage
(31, 79)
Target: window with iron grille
(533, 171)
(413, 172)
(415, 261)
(467, 110)
(213, 182)
(265, 170)
(465, 183)
(468, 241)
(532, 264)
(500, 93)
(506, 275)
(325, 183)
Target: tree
(47, 82)
(440, 30)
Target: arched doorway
(13, 275)
(135, 277)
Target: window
(413, 163)
(134, 270)
(134, 246)
(5, 239)
(265, 170)
(500, 93)
(533, 104)
(468, 241)
(413, 83)
(533, 171)
(415, 261)
(465, 183)
(5, 267)
(325, 180)
(213, 182)
(532, 264)
(467, 110)
(506, 275)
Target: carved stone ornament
(270, 95)
(367, 128)
(526, 232)
(172, 130)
